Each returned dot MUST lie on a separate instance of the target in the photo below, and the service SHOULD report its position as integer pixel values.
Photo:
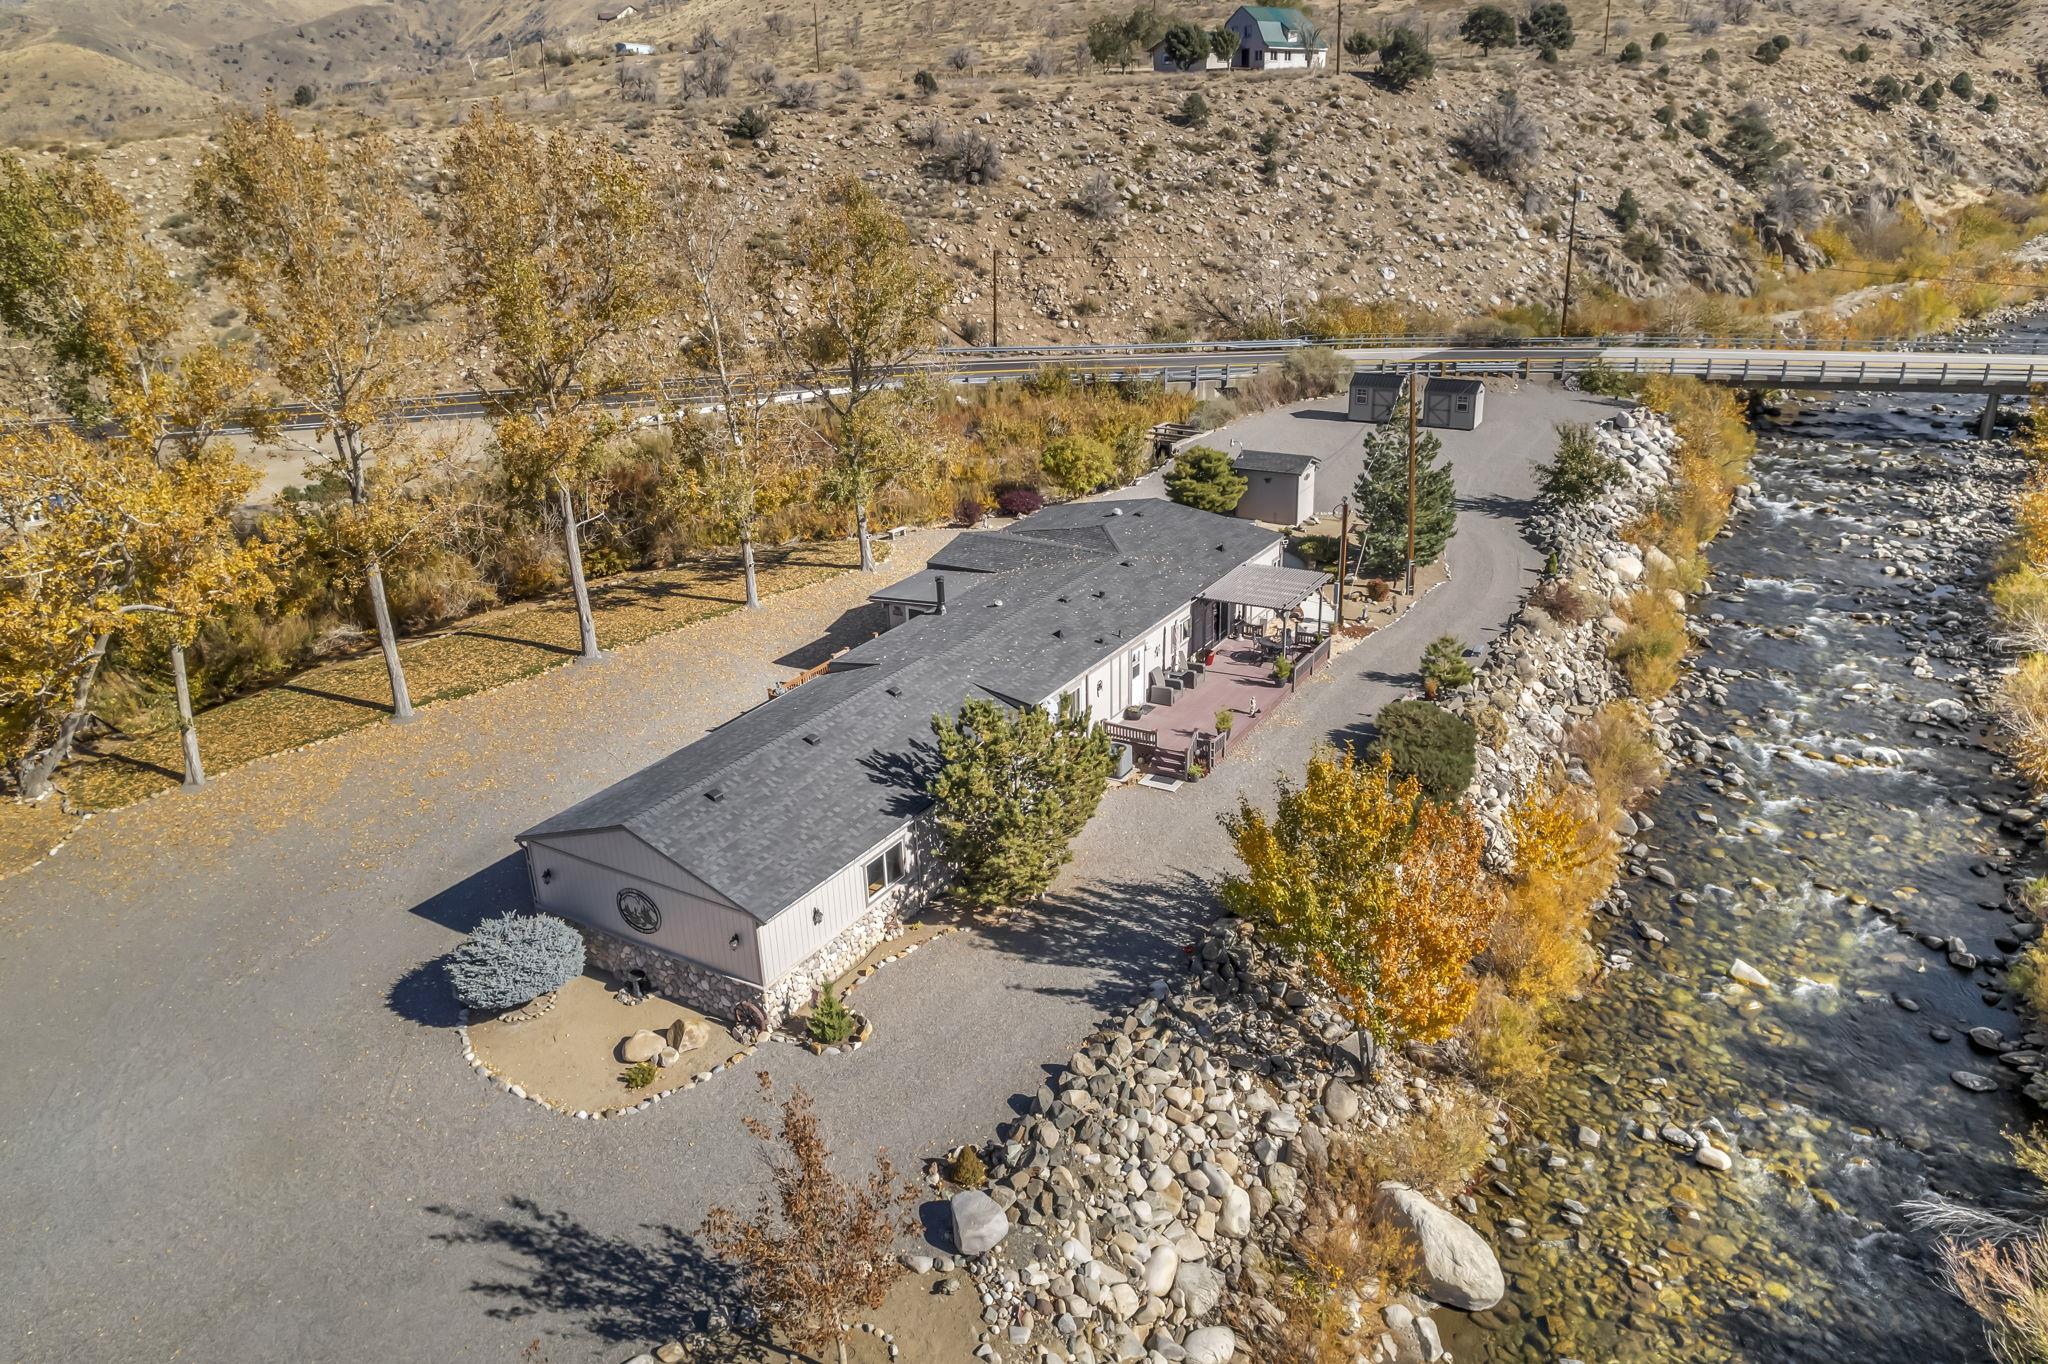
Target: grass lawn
(484, 651)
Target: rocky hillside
(1110, 215)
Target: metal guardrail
(1547, 354)
(2032, 345)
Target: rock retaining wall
(1542, 673)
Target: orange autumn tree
(1377, 889)
(818, 1249)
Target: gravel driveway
(238, 1126)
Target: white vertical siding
(841, 898)
(590, 869)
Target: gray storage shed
(1375, 393)
(1454, 404)
(1279, 488)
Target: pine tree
(1203, 478)
(1012, 790)
(1752, 148)
(831, 1021)
(1382, 499)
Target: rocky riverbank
(1807, 972)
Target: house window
(885, 871)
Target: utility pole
(543, 65)
(1343, 553)
(1571, 242)
(1606, 23)
(1338, 52)
(818, 39)
(995, 295)
(1411, 481)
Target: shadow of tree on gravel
(619, 1291)
(1129, 933)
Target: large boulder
(641, 1046)
(1458, 1268)
(978, 1224)
(1210, 1345)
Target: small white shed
(1280, 489)
(1454, 404)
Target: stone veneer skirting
(714, 992)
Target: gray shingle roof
(1273, 462)
(807, 782)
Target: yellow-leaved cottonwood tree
(554, 240)
(327, 251)
(134, 521)
(746, 458)
(97, 536)
(853, 302)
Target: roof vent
(1116, 511)
(715, 794)
(1065, 600)
(1059, 634)
(1100, 593)
(1128, 564)
(893, 689)
(813, 740)
(997, 602)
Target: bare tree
(778, 24)
(817, 1250)
(1042, 62)
(963, 57)
(765, 77)
(849, 80)
(1502, 140)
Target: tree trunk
(188, 734)
(747, 563)
(33, 775)
(586, 628)
(387, 639)
(860, 527)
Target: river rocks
(1210, 1345)
(1972, 1081)
(1458, 1268)
(1160, 1269)
(978, 1224)
(1339, 1102)
(1742, 971)
(1199, 1287)
(1712, 1157)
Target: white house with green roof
(1270, 38)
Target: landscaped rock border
(518, 1091)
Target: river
(1826, 818)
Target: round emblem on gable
(640, 912)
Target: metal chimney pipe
(939, 589)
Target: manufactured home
(777, 850)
